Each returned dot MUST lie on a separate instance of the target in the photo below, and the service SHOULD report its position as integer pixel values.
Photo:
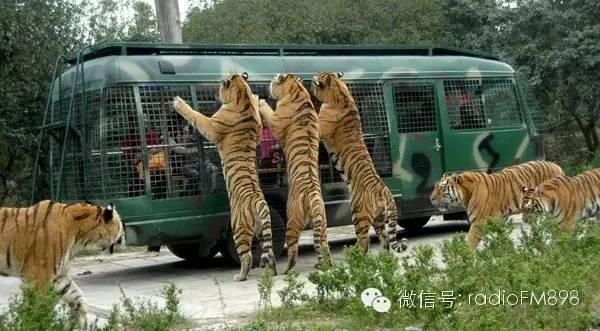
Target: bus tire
(413, 224)
(191, 251)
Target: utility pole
(169, 24)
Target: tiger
(295, 124)
(36, 244)
(236, 130)
(486, 196)
(566, 198)
(371, 201)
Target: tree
(32, 34)
(107, 22)
(556, 41)
(314, 22)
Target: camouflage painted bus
(424, 110)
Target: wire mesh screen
(415, 108)
(534, 110)
(207, 97)
(480, 104)
(172, 147)
(93, 128)
(371, 107)
(72, 185)
(121, 150)
(270, 157)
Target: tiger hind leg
(392, 229)
(72, 295)
(268, 257)
(243, 244)
(361, 228)
(321, 245)
(379, 227)
(292, 235)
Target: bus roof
(109, 64)
(138, 48)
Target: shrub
(32, 311)
(462, 289)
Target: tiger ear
(317, 82)
(524, 189)
(340, 74)
(455, 178)
(80, 211)
(245, 76)
(108, 213)
(225, 83)
(281, 77)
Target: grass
(458, 289)
(32, 311)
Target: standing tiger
(371, 201)
(36, 244)
(235, 129)
(566, 198)
(295, 124)
(486, 196)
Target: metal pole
(68, 122)
(41, 138)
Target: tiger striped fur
(486, 196)
(235, 128)
(371, 200)
(36, 244)
(295, 125)
(566, 198)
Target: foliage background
(555, 43)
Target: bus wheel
(193, 251)
(278, 230)
(413, 224)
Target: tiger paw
(178, 103)
(239, 278)
(399, 247)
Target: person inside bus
(185, 159)
(271, 156)
(132, 153)
(469, 112)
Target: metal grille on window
(270, 159)
(479, 104)
(173, 158)
(415, 108)
(371, 107)
(534, 110)
(93, 126)
(207, 97)
(122, 149)
(72, 184)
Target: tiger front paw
(178, 103)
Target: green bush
(32, 311)
(557, 272)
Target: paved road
(210, 296)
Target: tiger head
(447, 193)
(95, 226)
(533, 201)
(282, 84)
(235, 89)
(328, 87)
